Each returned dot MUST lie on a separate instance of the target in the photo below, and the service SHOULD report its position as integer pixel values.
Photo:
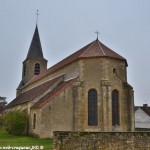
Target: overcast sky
(67, 25)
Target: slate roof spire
(35, 50)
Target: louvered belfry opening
(37, 69)
(92, 108)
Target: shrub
(1, 121)
(15, 122)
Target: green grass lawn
(22, 141)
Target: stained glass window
(92, 108)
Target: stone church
(86, 91)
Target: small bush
(15, 122)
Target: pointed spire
(35, 50)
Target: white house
(142, 117)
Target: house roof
(145, 108)
(35, 50)
(93, 49)
(33, 93)
(55, 92)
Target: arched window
(92, 108)
(34, 121)
(37, 69)
(115, 108)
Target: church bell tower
(34, 63)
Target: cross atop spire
(97, 34)
(37, 14)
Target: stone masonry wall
(30, 65)
(55, 115)
(70, 71)
(101, 140)
(104, 75)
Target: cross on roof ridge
(97, 34)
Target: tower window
(34, 121)
(114, 70)
(92, 108)
(37, 69)
(115, 108)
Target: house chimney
(145, 105)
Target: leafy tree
(15, 122)
(3, 103)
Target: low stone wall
(101, 140)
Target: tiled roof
(55, 92)
(93, 49)
(34, 92)
(146, 109)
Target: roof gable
(144, 109)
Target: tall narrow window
(34, 121)
(115, 108)
(37, 69)
(92, 108)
